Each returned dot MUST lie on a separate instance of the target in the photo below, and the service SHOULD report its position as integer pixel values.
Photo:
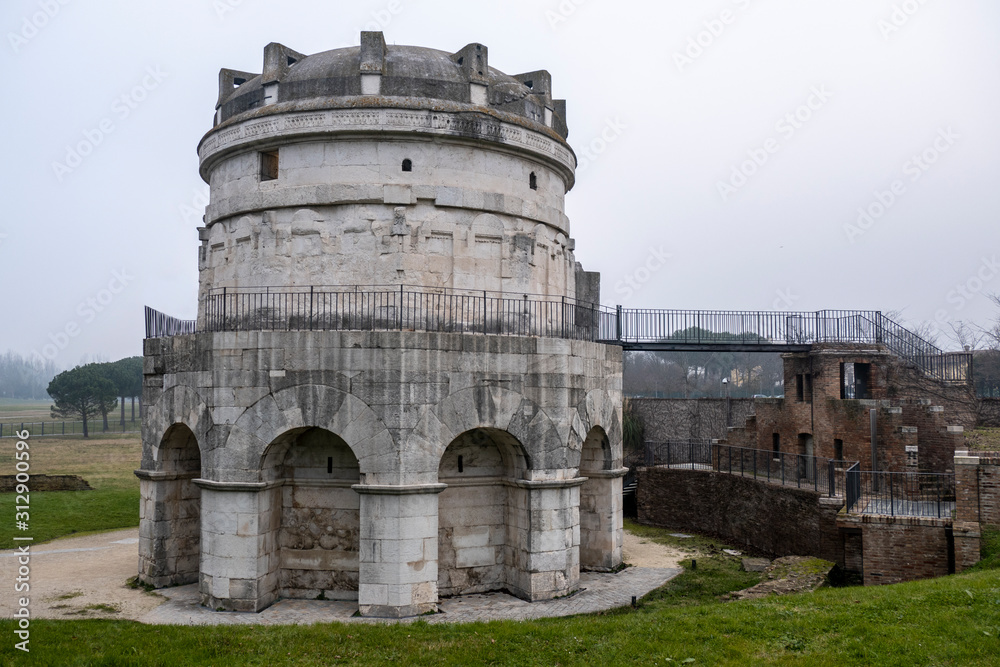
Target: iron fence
(46, 429)
(405, 309)
(410, 308)
(820, 474)
(921, 494)
(160, 325)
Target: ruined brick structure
(920, 421)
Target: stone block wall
(772, 519)
(357, 512)
(691, 419)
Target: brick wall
(772, 519)
(896, 549)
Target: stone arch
(598, 409)
(178, 405)
(314, 529)
(489, 407)
(482, 514)
(314, 406)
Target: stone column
(548, 549)
(399, 534)
(168, 528)
(965, 528)
(601, 532)
(239, 555)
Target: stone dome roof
(381, 74)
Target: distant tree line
(95, 390)
(701, 374)
(25, 378)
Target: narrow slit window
(533, 181)
(799, 388)
(269, 166)
(838, 449)
(407, 165)
(329, 465)
(460, 466)
(776, 445)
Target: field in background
(16, 410)
(107, 463)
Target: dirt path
(84, 577)
(80, 577)
(642, 552)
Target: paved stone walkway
(597, 593)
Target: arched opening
(599, 502)
(315, 523)
(806, 463)
(407, 165)
(483, 514)
(175, 511)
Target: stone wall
(8, 483)
(989, 412)
(690, 419)
(362, 511)
(775, 520)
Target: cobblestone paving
(596, 593)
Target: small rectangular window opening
(329, 465)
(776, 445)
(460, 467)
(800, 388)
(838, 449)
(269, 166)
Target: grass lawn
(983, 439)
(949, 621)
(106, 463)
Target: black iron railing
(820, 474)
(693, 454)
(401, 308)
(902, 494)
(406, 308)
(159, 325)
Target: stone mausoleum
(391, 392)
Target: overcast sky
(740, 140)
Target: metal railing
(401, 308)
(160, 325)
(693, 454)
(45, 429)
(921, 494)
(822, 475)
(409, 308)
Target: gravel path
(84, 577)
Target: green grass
(983, 439)
(949, 621)
(106, 463)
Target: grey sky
(659, 133)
